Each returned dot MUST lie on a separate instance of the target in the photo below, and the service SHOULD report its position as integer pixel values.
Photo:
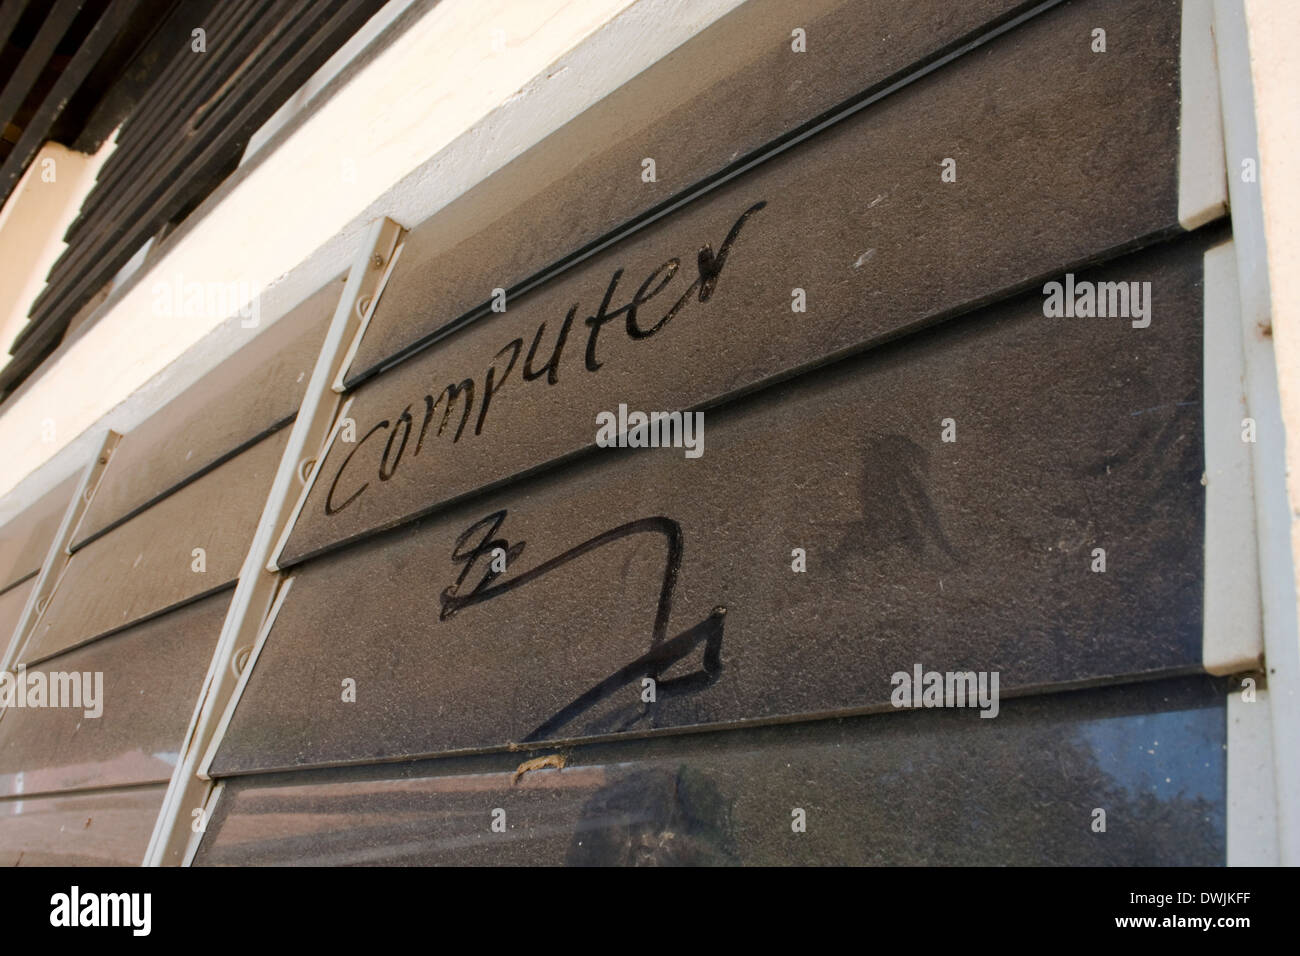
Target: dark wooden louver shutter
(184, 135)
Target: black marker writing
(708, 269)
(479, 541)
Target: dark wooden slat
(933, 787)
(24, 359)
(25, 539)
(13, 599)
(52, 831)
(127, 232)
(162, 89)
(36, 132)
(162, 111)
(119, 89)
(10, 13)
(143, 719)
(143, 568)
(135, 212)
(748, 98)
(149, 166)
(165, 121)
(37, 56)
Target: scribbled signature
(480, 540)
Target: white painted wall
(1274, 32)
(1274, 27)
(32, 223)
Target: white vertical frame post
(179, 828)
(1233, 641)
(57, 557)
(1272, 505)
